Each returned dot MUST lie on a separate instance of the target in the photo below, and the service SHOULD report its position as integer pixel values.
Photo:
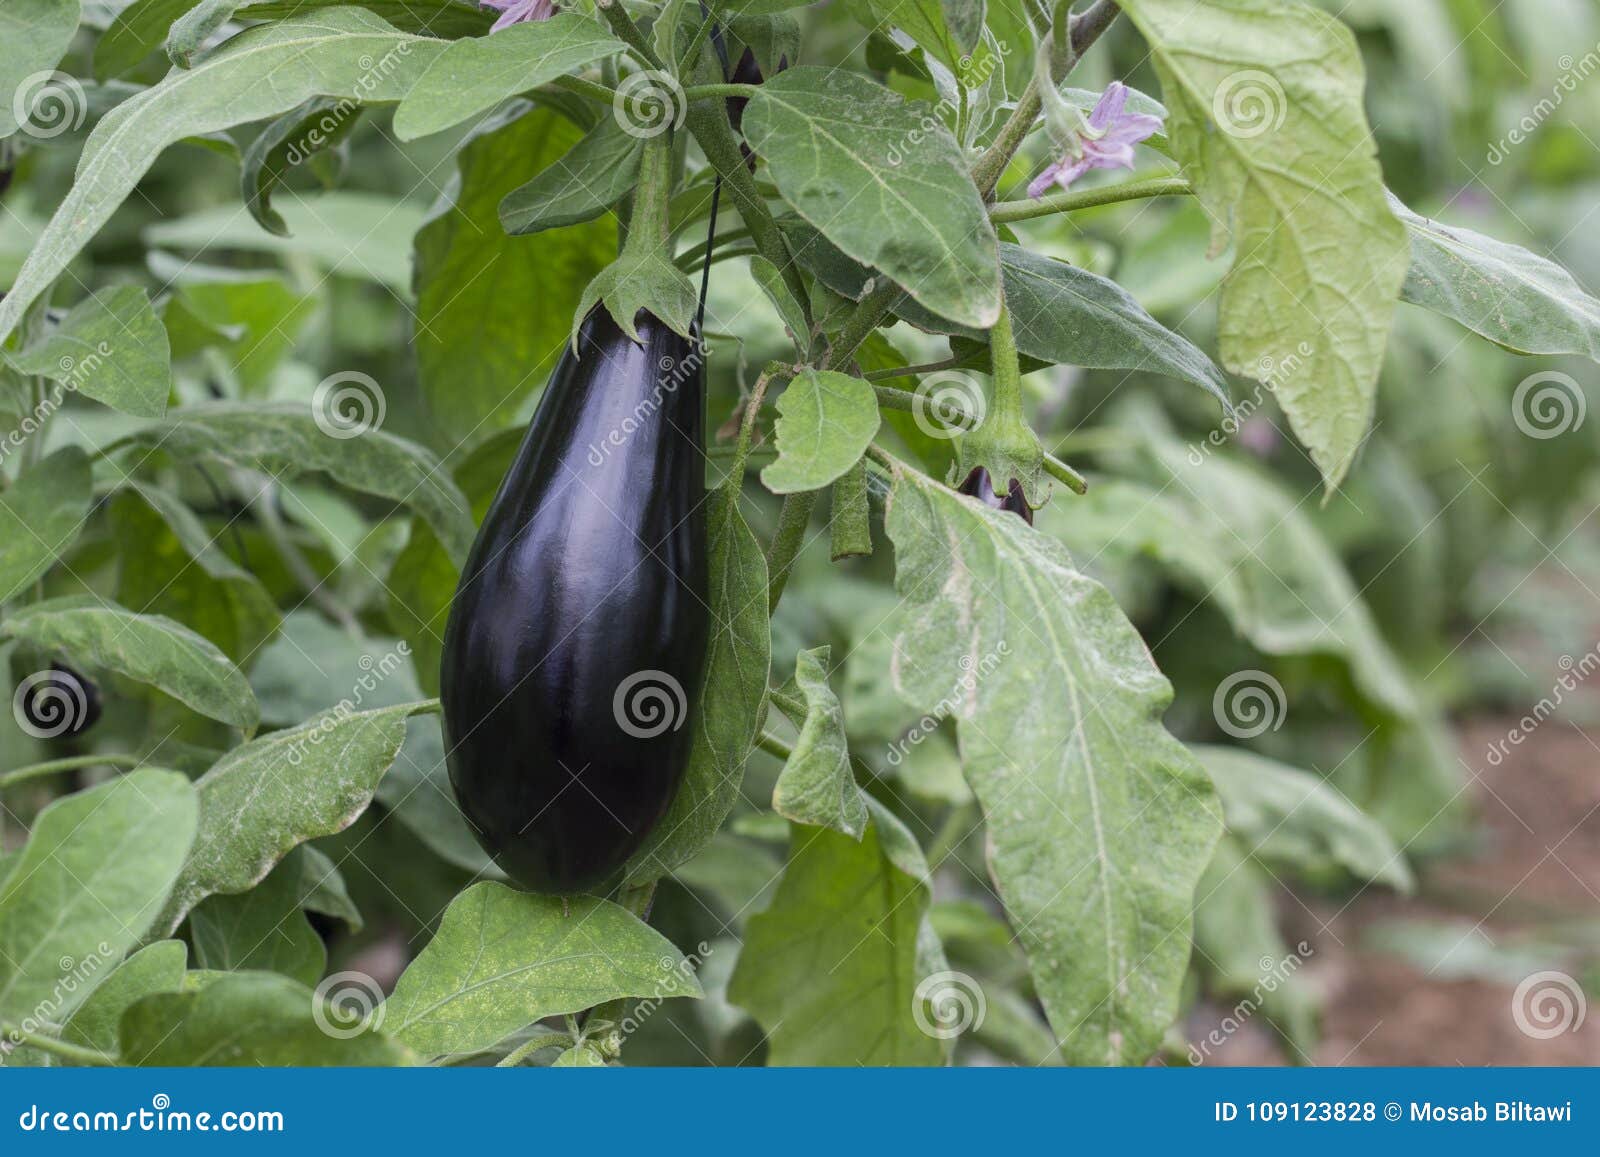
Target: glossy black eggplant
(979, 485)
(59, 703)
(578, 631)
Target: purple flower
(518, 11)
(1105, 142)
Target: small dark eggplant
(578, 631)
(979, 485)
(57, 704)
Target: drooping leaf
(446, 19)
(139, 29)
(34, 35)
(476, 74)
(191, 30)
(766, 276)
(262, 929)
(731, 696)
(922, 20)
(493, 312)
(817, 786)
(825, 422)
(154, 968)
(303, 135)
(110, 347)
(1516, 299)
(260, 73)
(40, 516)
(150, 649)
(1099, 822)
(285, 440)
(254, 1019)
(831, 969)
(840, 149)
(503, 959)
(1292, 818)
(579, 185)
(1265, 98)
(265, 797)
(96, 869)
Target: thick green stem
(1007, 211)
(859, 325)
(533, 1044)
(596, 92)
(77, 1054)
(911, 371)
(70, 763)
(707, 91)
(648, 225)
(1004, 368)
(793, 519)
(772, 745)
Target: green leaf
(195, 27)
(173, 565)
(1517, 299)
(922, 20)
(265, 797)
(285, 441)
(138, 30)
(40, 516)
(1294, 819)
(34, 35)
(110, 347)
(770, 280)
(1267, 120)
(826, 420)
(446, 19)
(831, 969)
(320, 887)
(300, 135)
(817, 785)
(314, 666)
(732, 695)
(261, 929)
(578, 186)
(863, 165)
(503, 959)
(640, 278)
(482, 346)
(154, 968)
(471, 76)
(260, 73)
(253, 320)
(417, 791)
(254, 1019)
(1099, 822)
(150, 649)
(95, 871)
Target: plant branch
(707, 91)
(533, 1044)
(591, 89)
(772, 745)
(1006, 211)
(70, 763)
(77, 1054)
(911, 371)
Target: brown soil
(1534, 877)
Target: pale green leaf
(883, 181)
(34, 35)
(922, 20)
(110, 347)
(96, 869)
(446, 19)
(263, 929)
(831, 968)
(503, 959)
(154, 968)
(417, 792)
(191, 30)
(251, 1020)
(771, 282)
(579, 185)
(267, 796)
(260, 73)
(40, 516)
(1099, 822)
(314, 665)
(138, 30)
(825, 422)
(476, 74)
(1267, 120)
(150, 649)
(309, 134)
(1294, 819)
(817, 785)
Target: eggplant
(60, 703)
(579, 628)
(979, 485)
